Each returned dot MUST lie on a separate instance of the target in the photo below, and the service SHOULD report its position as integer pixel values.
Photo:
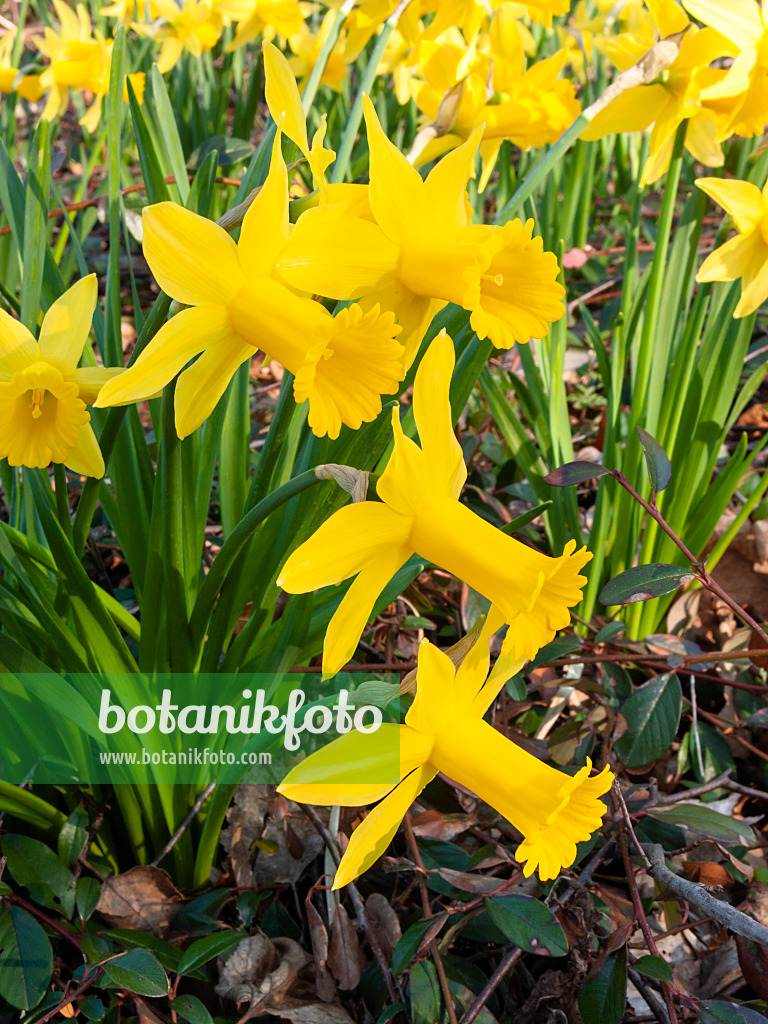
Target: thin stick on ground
(623, 825)
(433, 948)
(184, 825)
(510, 959)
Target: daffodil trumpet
(420, 513)
(43, 391)
(239, 305)
(444, 731)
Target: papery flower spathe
(420, 251)
(43, 392)
(444, 731)
(239, 305)
(746, 255)
(419, 513)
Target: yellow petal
(404, 485)
(396, 189)
(65, 327)
(414, 312)
(266, 225)
(347, 625)
(352, 539)
(668, 15)
(733, 259)
(91, 379)
(180, 339)
(194, 260)
(357, 768)
(631, 111)
(434, 705)
(754, 288)
(170, 52)
(701, 141)
(370, 840)
(85, 457)
(338, 256)
(444, 459)
(18, 348)
(446, 182)
(282, 96)
(489, 151)
(319, 158)
(738, 20)
(200, 387)
(743, 200)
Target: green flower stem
(62, 499)
(173, 538)
(234, 544)
(550, 159)
(208, 843)
(341, 166)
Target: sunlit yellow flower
(444, 731)
(746, 255)
(530, 108)
(743, 91)
(674, 98)
(78, 60)
(43, 393)
(342, 364)
(420, 513)
(306, 46)
(126, 11)
(422, 251)
(11, 79)
(195, 27)
(254, 17)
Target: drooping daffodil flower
(420, 513)
(445, 731)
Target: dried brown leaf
(143, 898)
(344, 951)
(384, 922)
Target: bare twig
(637, 903)
(648, 995)
(394, 989)
(697, 894)
(510, 959)
(434, 952)
(184, 825)
(84, 984)
(706, 787)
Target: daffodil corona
(239, 305)
(419, 513)
(444, 731)
(43, 393)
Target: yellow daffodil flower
(743, 90)
(43, 393)
(342, 364)
(530, 108)
(196, 27)
(675, 98)
(126, 11)
(746, 255)
(11, 79)
(421, 251)
(78, 60)
(257, 17)
(444, 731)
(306, 46)
(420, 513)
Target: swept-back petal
(404, 484)
(754, 288)
(396, 190)
(733, 259)
(282, 96)
(339, 256)
(444, 189)
(18, 349)
(668, 15)
(354, 538)
(738, 20)
(266, 224)
(180, 339)
(631, 111)
(194, 260)
(371, 839)
(91, 379)
(434, 705)
(200, 387)
(65, 326)
(432, 410)
(743, 200)
(357, 768)
(85, 457)
(348, 622)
